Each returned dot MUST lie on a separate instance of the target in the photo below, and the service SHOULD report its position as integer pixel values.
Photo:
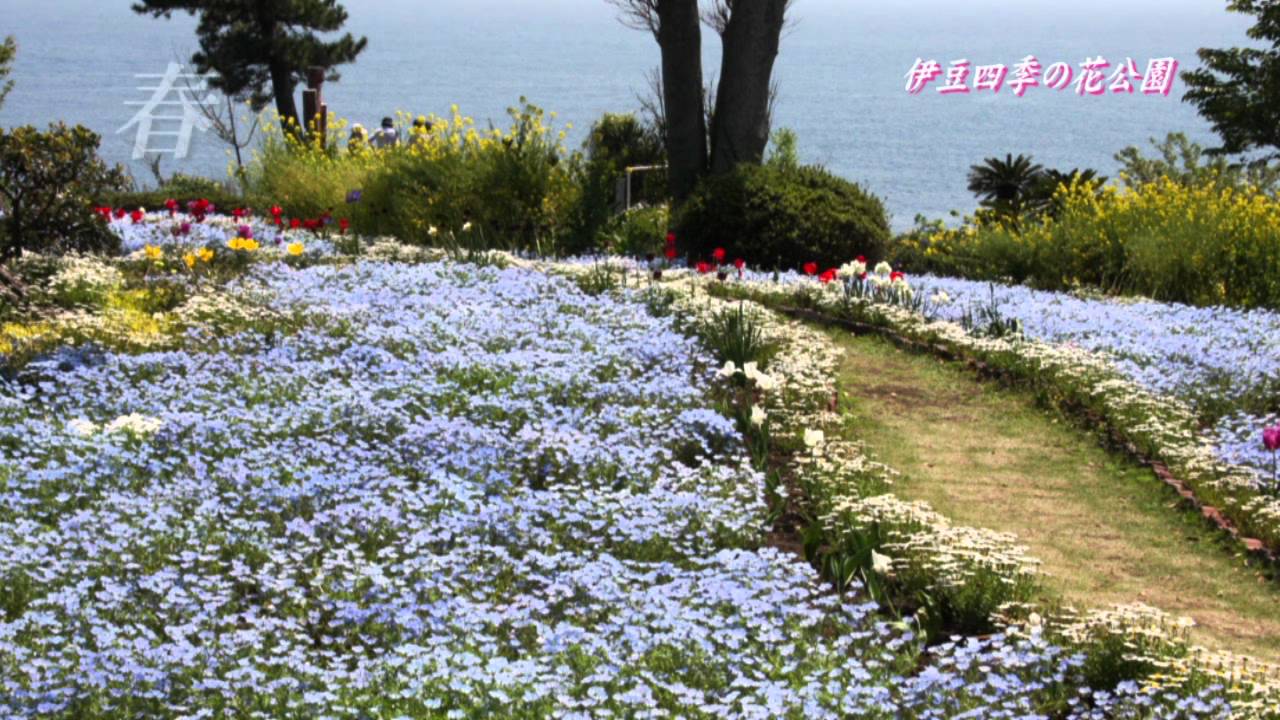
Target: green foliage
(306, 179)
(737, 336)
(638, 232)
(516, 187)
(1238, 89)
(48, 182)
(1197, 244)
(783, 153)
(251, 45)
(616, 143)
(1006, 186)
(775, 217)
(8, 49)
(1012, 189)
(1187, 163)
(184, 189)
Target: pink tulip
(1271, 438)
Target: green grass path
(1106, 528)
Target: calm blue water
(840, 74)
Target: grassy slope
(986, 456)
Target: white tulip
(814, 438)
(758, 415)
(881, 564)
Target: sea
(841, 76)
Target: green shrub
(616, 143)
(638, 232)
(48, 183)
(778, 217)
(515, 187)
(306, 179)
(1205, 244)
(184, 189)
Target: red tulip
(828, 276)
(276, 211)
(238, 213)
(671, 252)
(121, 213)
(862, 259)
(136, 216)
(863, 276)
(811, 269)
(1271, 438)
(345, 224)
(671, 239)
(739, 263)
(718, 255)
(172, 205)
(295, 223)
(896, 276)
(704, 267)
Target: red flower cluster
(200, 209)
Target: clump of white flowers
(752, 372)
(134, 424)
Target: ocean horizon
(841, 78)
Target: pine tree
(8, 49)
(262, 48)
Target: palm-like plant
(1006, 186)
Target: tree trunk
(740, 125)
(680, 37)
(282, 87)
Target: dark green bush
(774, 216)
(184, 189)
(48, 183)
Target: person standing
(358, 138)
(387, 136)
(420, 133)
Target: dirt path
(1104, 527)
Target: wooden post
(313, 106)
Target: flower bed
(394, 486)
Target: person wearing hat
(420, 133)
(387, 136)
(358, 138)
